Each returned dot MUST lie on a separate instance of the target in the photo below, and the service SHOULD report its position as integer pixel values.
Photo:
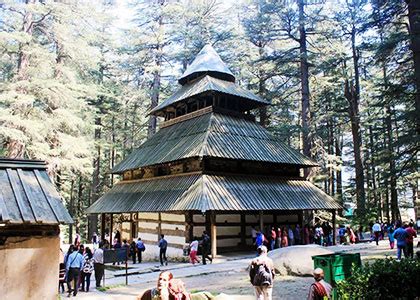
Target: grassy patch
(109, 287)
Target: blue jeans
(403, 249)
(272, 244)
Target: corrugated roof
(198, 192)
(207, 61)
(206, 84)
(27, 194)
(213, 135)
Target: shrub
(383, 279)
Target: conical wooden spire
(209, 62)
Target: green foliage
(383, 279)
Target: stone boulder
(296, 260)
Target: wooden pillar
(159, 229)
(103, 216)
(243, 229)
(261, 221)
(334, 225)
(213, 234)
(189, 227)
(111, 230)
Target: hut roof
(27, 194)
(213, 135)
(201, 192)
(211, 84)
(207, 61)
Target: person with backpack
(261, 273)
(320, 289)
(163, 246)
(140, 249)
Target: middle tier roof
(213, 135)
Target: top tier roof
(209, 62)
(209, 74)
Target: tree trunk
(414, 20)
(338, 151)
(304, 77)
(151, 130)
(93, 218)
(71, 211)
(352, 94)
(261, 88)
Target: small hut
(30, 213)
(211, 167)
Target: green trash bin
(336, 266)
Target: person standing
(401, 236)
(133, 251)
(163, 246)
(95, 240)
(259, 241)
(291, 236)
(140, 249)
(73, 267)
(376, 228)
(320, 289)
(391, 238)
(193, 251)
(98, 264)
(410, 239)
(206, 247)
(87, 270)
(253, 234)
(273, 238)
(261, 273)
(297, 235)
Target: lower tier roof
(200, 192)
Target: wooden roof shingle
(201, 192)
(213, 135)
(27, 194)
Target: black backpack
(263, 276)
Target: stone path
(228, 275)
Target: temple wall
(151, 225)
(29, 268)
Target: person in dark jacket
(206, 247)
(163, 245)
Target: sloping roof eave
(199, 192)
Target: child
(391, 238)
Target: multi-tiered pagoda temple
(210, 166)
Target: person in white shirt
(376, 228)
(98, 264)
(193, 251)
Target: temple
(211, 167)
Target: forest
(77, 79)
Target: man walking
(206, 247)
(320, 289)
(376, 228)
(261, 273)
(163, 245)
(74, 266)
(401, 236)
(98, 264)
(140, 249)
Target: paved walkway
(145, 275)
